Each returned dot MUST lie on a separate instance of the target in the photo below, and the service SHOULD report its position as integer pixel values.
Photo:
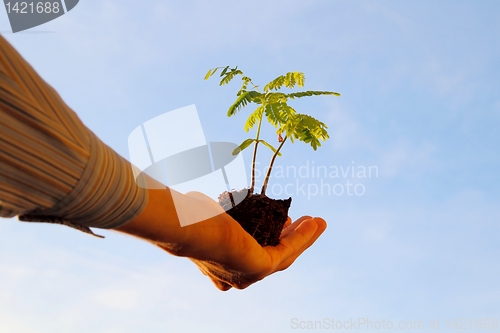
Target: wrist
(158, 222)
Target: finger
(287, 223)
(289, 245)
(290, 260)
(292, 226)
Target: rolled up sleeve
(52, 167)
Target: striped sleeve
(52, 167)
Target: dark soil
(260, 216)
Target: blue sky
(419, 83)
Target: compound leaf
(269, 146)
(242, 146)
(253, 118)
(311, 93)
(243, 99)
(211, 72)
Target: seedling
(256, 210)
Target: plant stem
(268, 174)
(252, 184)
(254, 157)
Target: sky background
(419, 83)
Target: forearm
(210, 234)
(158, 222)
(52, 167)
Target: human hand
(218, 245)
(229, 256)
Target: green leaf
(274, 104)
(276, 97)
(229, 76)
(274, 114)
(309, 130)
(288, 80)
(269, 146)
(246, 80)
(311, 93)
(208, 74)
(224, 71)
(275, 84)
(211, 72)
(242, 146)
(299, 78)
(253, 118)
(279, 113)
(242, 100)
